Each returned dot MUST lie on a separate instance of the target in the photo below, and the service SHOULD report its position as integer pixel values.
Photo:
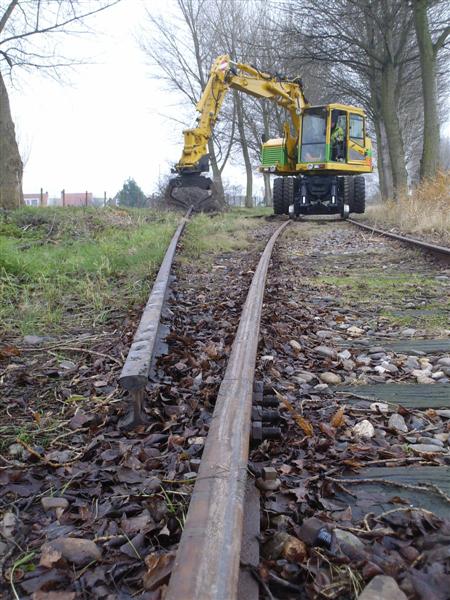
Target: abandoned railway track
(346, 357)
(436, 250)
(209, 555)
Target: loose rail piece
(437, 250)
(207, 561)
(135, 372)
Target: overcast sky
(108, 123)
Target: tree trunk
(245, 151)
(11, 167)
(267, 190)
(393, 131)
(217, 176)
(429, 163)
(381, 163)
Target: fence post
(41, 198)
(63, 196)
(104, 199)
(86, 198)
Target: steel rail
(207, 562)
(135, 372)
(437, 250)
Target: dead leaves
(304, 425)
(159, 569)
(338, 419)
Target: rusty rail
(135, 372)
(207, 561)
(434, 249)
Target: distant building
(36, 199)
(76, 199)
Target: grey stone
(418, 423)
(412, 363)
(345, 354)
(390, 367)
(397, 423)
(432, 441)
(382, 587)
(345, 537)
(308, 377)
(321, 387)
(364, 429)
(34, 340)
(326, 351)
(444, 413)
(330, 378)
(426, 448)
(323, 334)
(75, 550)
(444, 362)
(377, 355)
(376, 350)
(52, 503)
(409, 332)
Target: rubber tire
(288, 193)
(359, 195)
(278, 202)
(349, 191)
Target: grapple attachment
(194, 190)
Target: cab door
(356, 151)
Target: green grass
(58, 265)
(209, 235)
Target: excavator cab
(333, 152)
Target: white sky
(107, 124)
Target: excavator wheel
(288, 193)
(278, 200)
(359, 195)
(348, 191)
(197, 191)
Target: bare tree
(428, 52)
(181, 49)
(29, 30)
(372, 39)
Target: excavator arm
(226, 74)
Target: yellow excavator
(319, 160)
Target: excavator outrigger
(319, 160)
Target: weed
(425, 211)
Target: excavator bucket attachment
(193, 190)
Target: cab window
(357, 129)
(313, 135)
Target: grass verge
(73, 265)
(209, 235)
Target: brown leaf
(8, 351)
(49, 556)
(211, 351)
(294, 550)
(300, 421)
(337, 419)
(159, 569)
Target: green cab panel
(273, 154)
